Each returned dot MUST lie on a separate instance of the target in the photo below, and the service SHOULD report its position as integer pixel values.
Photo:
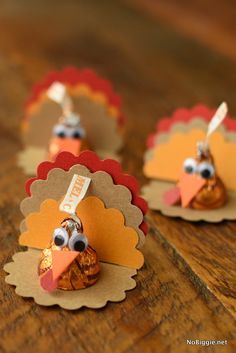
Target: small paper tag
(217, 119)
(75, 193)
(57, 92)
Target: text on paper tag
(75, 193)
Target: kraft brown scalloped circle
(102, 186)
(153, 193)
(101, 129)
(29, 159)
(113, 282)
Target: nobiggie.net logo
(206, 343)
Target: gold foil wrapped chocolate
(211, 196)
(84, 269)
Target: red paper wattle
(89, 159)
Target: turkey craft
(192, 166)
(84, 227)
(70, 110)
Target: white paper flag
(75, 193)
(217, 119)
(57, 92)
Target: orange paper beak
(189, 185)
(58, 145)
(61, 260)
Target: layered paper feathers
(112, 215)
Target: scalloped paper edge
(182, 127)
(44, 189)
(194, 124)
(153, 193)
(185, 115)
(89, 159)
(112, 285)
(163, 137)
(72, 76)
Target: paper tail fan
(65, 161)
(183, 117)
(112, 217)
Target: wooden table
(187, 288)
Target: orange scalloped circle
(113, 241)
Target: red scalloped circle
(186, 115)
(72, 75)
(65, 160)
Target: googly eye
(190, 165)
(76, 134)
(69, 131)
(78, 242)
(59, 130)
(60, 237)
(206, 170)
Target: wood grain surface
(187, 288)
(201, 20)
